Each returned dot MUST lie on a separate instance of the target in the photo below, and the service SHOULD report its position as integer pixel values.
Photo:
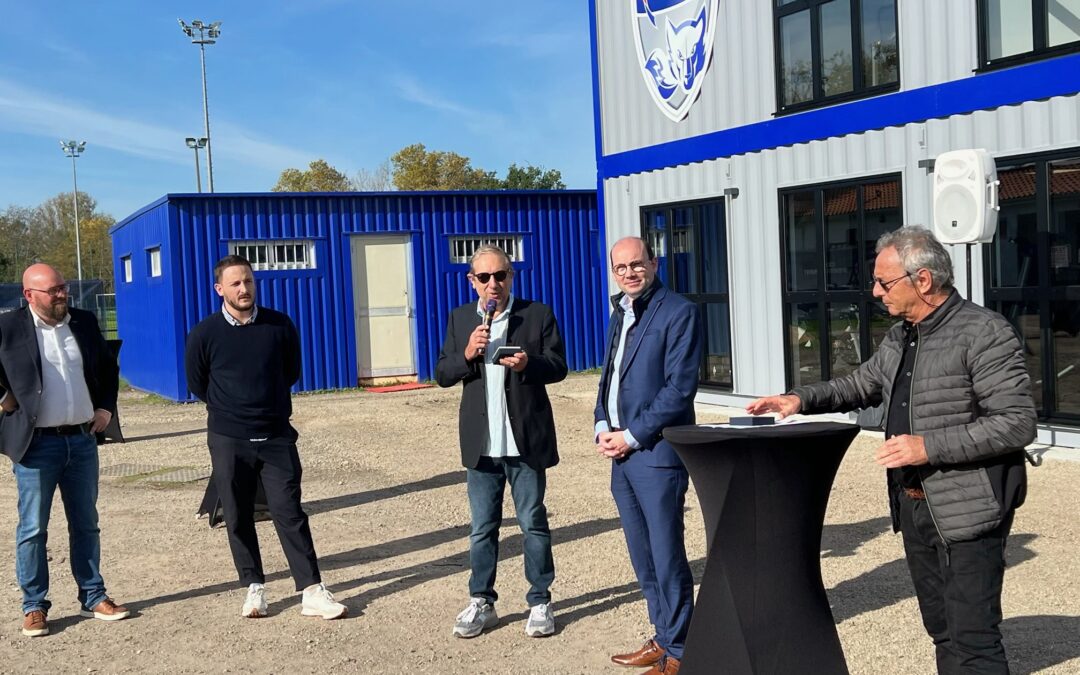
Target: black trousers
(959, 592)
(238, 463)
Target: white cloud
(28, 111)
(476, 119)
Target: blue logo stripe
(1031, 82)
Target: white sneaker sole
(468, 635)
(87, 614)
(539, 632)
(329, 616)
(35, 633)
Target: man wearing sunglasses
(649, 381)
(952, 379)
(58, 384)
(506, 431)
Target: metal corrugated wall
(753, 219)
(563, 266)
(939, 44)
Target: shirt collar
(640, 303)
(509, 304)
(41, 323)
(233, 320)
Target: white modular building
(762, 146)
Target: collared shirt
(65, 398)
(501, 441)
(233, 321)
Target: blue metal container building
(164, 255)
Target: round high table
(763, 491)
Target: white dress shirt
(65, 398)
(627, 304)
(501, 441)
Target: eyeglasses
(54, 291)
(484, 277)
(621, 269)
(888, 285)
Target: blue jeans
(70, 463)
(486, 484)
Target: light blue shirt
(501, 441)
(627, 304)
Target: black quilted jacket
(970, 402)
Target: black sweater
(244, 373)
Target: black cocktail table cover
(763, 491)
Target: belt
(64, 430)
(915, 493)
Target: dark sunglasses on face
(484, 277)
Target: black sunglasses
(484, 277)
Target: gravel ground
(385, 490)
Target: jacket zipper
(911, 425)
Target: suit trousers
(959, 591)
(650, 501)
(238, 464)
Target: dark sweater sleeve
(292, 353)
(196, 364)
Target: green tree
(319, 177)
(18, 245)
(51, 237)
(531, 177)
(415, 168)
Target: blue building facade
(313, 255)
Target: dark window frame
(859, 90)
(1039, 51)
(698, 299)
(1043, 293)
(822, 296)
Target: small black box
(752, 421)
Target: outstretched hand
(783, 405)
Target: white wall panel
(753, 217)
(938, 43)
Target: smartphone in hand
(504, 351)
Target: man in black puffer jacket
(952, 379)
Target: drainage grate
(185, 474)
(124, 470)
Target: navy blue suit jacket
(659, 375)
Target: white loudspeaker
(965, 197)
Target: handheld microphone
(489, 316)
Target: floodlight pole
(204, 34)
(195, 144)
(73, 149)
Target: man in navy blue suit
(648, 383)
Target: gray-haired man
(951, 376)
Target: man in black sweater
(241, 362)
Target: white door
(383, 313)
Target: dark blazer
(20, 372)
(659, 375)
(533, 328)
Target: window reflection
(836, 60)
(881, 58)
(1008, 28)
(1062, 22)
(803, 333)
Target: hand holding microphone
(481, 334)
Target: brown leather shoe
(669, 665)
(649, 655)
(106, 610)
(35, 623)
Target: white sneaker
(254, 603)
(541, 621)
(318, 601)
(478, 616)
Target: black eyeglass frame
(54, 291)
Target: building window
(828, 234)
(834, 50)
(1014, 31)
(284, 254)
(462, 248)
(690, 244)
(154, 261)
(1033, 275)
(126, 262)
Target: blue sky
(351, 82)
